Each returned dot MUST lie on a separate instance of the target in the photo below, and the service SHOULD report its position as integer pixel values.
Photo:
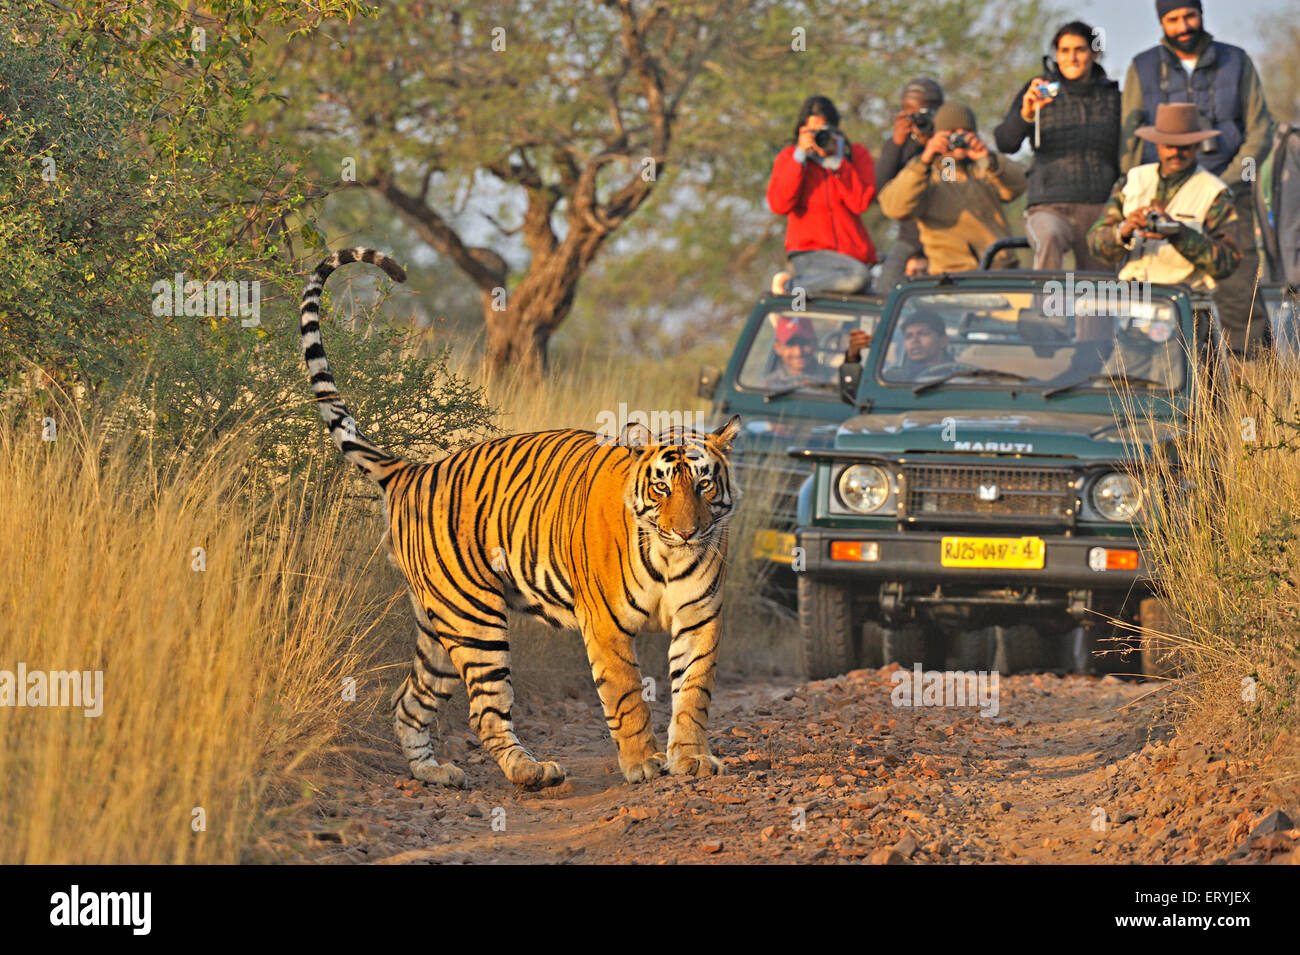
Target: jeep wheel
(1158, 648)
(869, 655)
(826, 646)
(1019, 647)
(975, 649)
(910, 645)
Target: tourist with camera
(913, 125)
(1170, 221)
(1189, 66)
(1071, 117)
(955, 189)
(823, 183)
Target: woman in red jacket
(823, 184)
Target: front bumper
(913, 558)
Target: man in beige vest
(1169, 221)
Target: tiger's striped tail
(373, 461)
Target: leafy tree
(517, 139)
(123, 161)
(1279, 69)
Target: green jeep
(976, 512)
(780, 408)
(1283, 305)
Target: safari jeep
(781, 407)
(1283, 305)
(976, 511)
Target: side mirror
(708, 383)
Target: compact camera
(959, 141)
(1048, 90)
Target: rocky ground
(1070, 770)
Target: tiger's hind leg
(482, 655)
(432, 680)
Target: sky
(1131, 25)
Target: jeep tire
(1159, 654)
(1020, 647)
(869, 654)
(827, 646)
(912, 644)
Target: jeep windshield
(1117, 337)
(800, 351)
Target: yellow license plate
(1017, 553)
(775, 546)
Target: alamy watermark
(181, 297)
(82, 689)
(917, 687)
(612, 425)
(75, 907)
(1100, 297)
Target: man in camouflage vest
(1191, 239)
(1190, 66)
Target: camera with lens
(923, 121)
(959, 141)
(1162, 225)
(825, 138)
(1048, 90)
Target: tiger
(607, 536)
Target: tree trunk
(520, 328)
(515, 345)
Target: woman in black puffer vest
(1075, 137)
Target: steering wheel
(945, 368)
(835, 341)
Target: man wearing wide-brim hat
(1189, 65)
(1193, 242)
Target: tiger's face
(681, 488)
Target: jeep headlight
(864, 487)
(1116, 496)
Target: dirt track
(1068, 771)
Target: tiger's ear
(635, 435)
(726, 434)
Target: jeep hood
(1043, 433)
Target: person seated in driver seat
(1141, 353)
(925, 346)
(1095, 337)
(796, 348)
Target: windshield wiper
(1111, 378)
(798, 386)
(968, 373)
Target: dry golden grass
(1226, 536)
(219, 684)
(223, 687)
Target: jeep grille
(940, 491)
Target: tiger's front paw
(643, 770)
(698, 763)
(534, 775)
(438, 774)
